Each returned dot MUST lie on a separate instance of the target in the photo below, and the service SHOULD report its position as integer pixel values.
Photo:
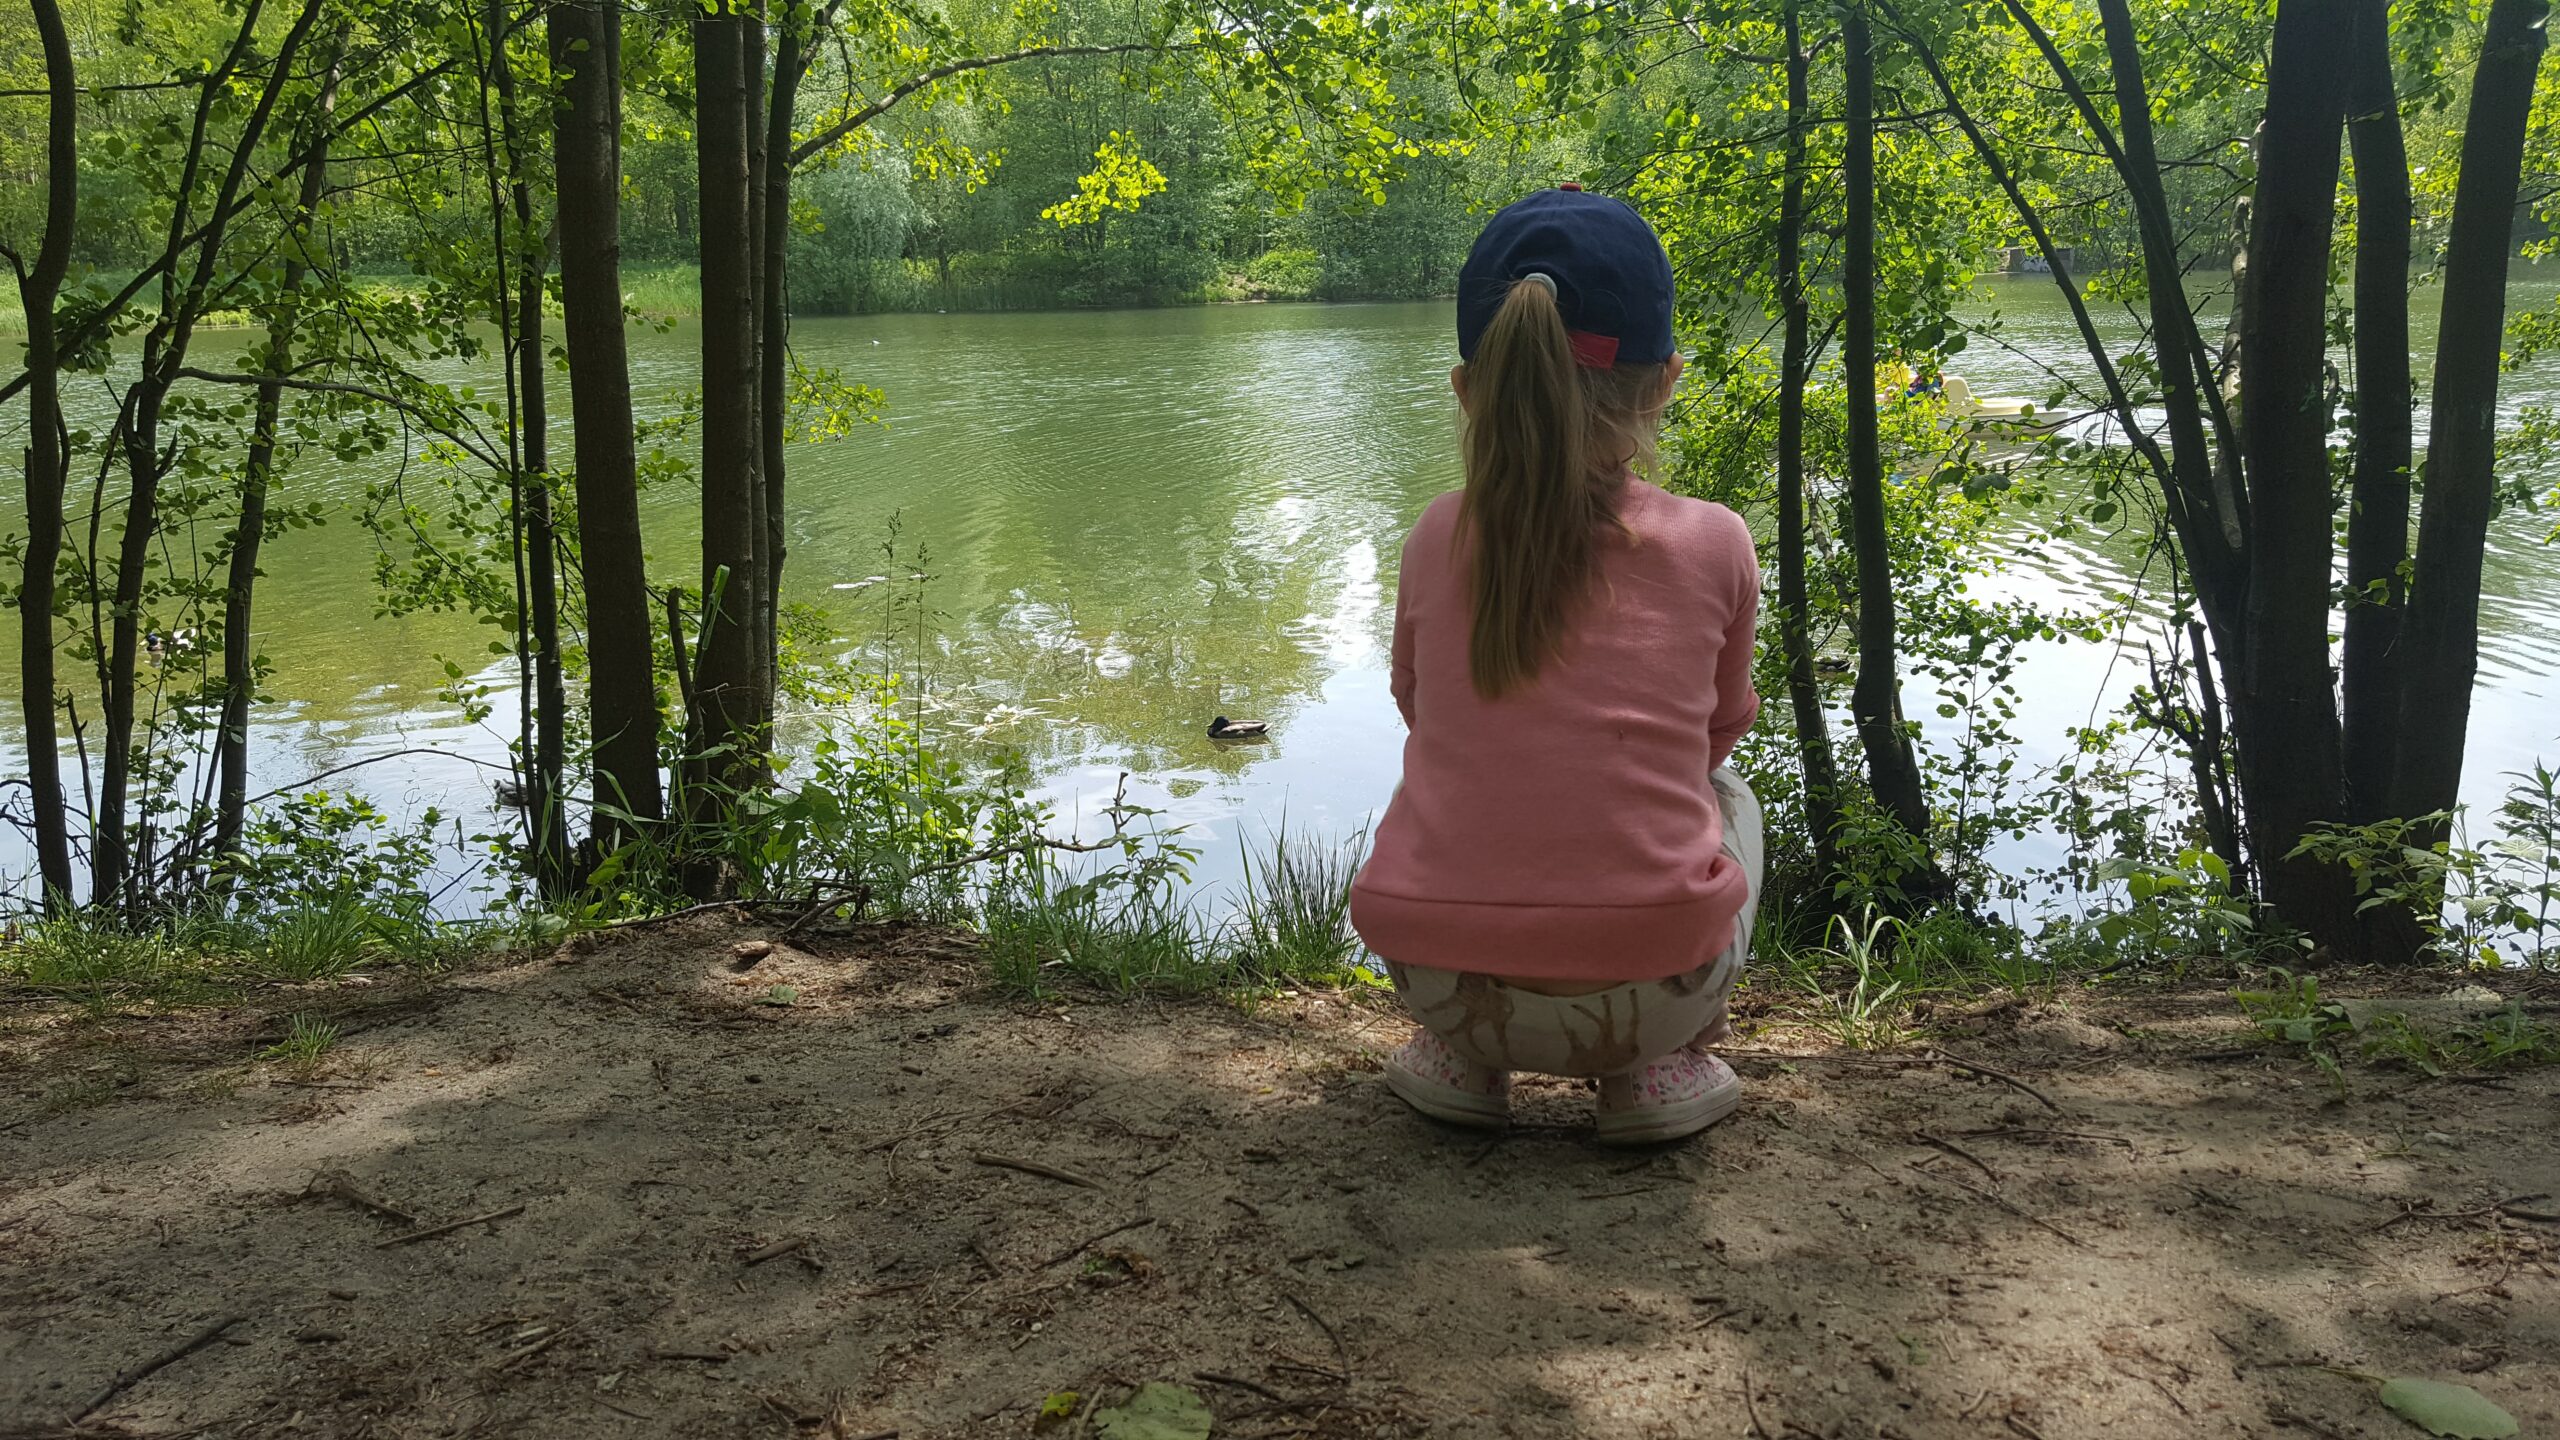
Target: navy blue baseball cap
(1611, 279)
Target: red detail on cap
(1596, 352)
(1570, 185)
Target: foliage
(2467, 898)
(2293, 1012)
(1293, 919)
(308, 1040)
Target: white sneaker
(1673, 1098)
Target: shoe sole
(1660, 1124)
(1447, 1103)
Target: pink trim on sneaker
(1676, 1096)
(1427, 1075)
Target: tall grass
(1293, 920)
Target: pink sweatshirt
(1567, 831)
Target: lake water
(1136, 520)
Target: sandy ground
(716, 1216)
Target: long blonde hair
(1546, 440)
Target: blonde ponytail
(1546, 441)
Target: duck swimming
(1223, 728)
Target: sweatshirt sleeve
(1737, 704)
(1400, 662)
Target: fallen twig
(1212, 1377)
(1341, 1352)
(2505, 1208)
(2038, 1221)
(713, 1357)
(774, 1251)
(434, 1230)
(1081, 1246)
(1034, 1167)
(2004, 1077)
(2003, 1131)
(1751, 1407)
(126, 1380)
(537, 1347)
(1958, 1151)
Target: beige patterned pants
(1607, 1032)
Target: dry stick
(2000, 1131)
(1958, 1151)
(1034, 1167)
(1752, 1406)
(1341, 1352)
(537, 1347)
(1979, 1192)
(2004, 1078)
(2504, 1207)
(1212, 1377)
(135, 1376)
(434, 1230)
(776, 1250)
(1088, 1243)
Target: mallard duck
(1223, 728)
(170, 644)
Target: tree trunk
(2209, 510)
(2292, 768)
(546, 815)
(773, 298)
(2204, 740)
(755, 122)
(725, 735)
(2378, 517)
(239, 645)
(164, 353)
(47, 463)
(622, 689)
(1876, 702)
(2441, 638)
(1813, 727)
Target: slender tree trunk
(239, 642)
(2292, 767)
(2378, 517)
(773, 297)
(2206, 752)
(2211, 512)
(755, 121)
(725, 668)
(164, 352)
(622, 689)
(545, 798)
(1813, 727)
(47, 463)
(2441, 639)
(1876, 701)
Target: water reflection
(1134, 521)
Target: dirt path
(1871, 1249)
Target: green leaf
(1164, 1412)
(779, 995)
(1059, 1408)
(2442, 1409)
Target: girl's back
(1567, 829)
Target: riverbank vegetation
(439, 225)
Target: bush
(1293, 273)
